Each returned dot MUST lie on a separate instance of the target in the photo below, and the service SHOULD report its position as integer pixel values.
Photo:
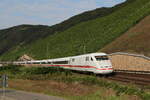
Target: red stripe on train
(83, 67)
(104, 68)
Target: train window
(73, 60)
(35, 62)
(60, 62)
(43, 62)
(87, 59)
(49, 62)
(91, 59)
(98, 58)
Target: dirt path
(21, 95)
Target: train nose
(104, 71)
(107, 72)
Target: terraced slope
(135, 40)
(85, 37)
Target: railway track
(139, 79)
(133, 78)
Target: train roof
(67, 58)
(90, 54)
(93, 54)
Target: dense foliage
(21, 35)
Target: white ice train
(97, 63)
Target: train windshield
(99, 58)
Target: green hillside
(20, 35)
(135, 40)
(87, 36)
(25, 34)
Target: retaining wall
(130, 62)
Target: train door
(86, 63)
(72, 61)
(82, 63)
(90, 63)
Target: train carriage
(98, 63)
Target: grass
(100, 95)
(68, 91)
(86, 37)
(67, 84)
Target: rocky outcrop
(25, 58)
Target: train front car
(103, 64)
